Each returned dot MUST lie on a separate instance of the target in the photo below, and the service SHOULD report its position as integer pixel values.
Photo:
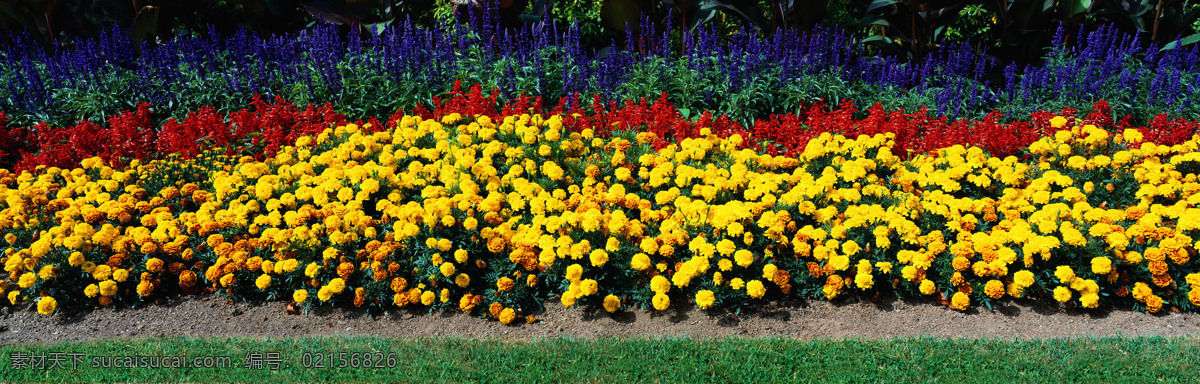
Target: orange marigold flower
(994, 289)
(187, 279)
(154, 265)
(507, 315)
(504, 284)
(344, 270)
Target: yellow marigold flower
(330, 253)
(462, 280)
(568, 299)
(75, 260)
(1193, 279)
(428, 297)
(47, 272)
(839, 262)
(460, 256)
(726, 247)
(661, 302)
(1101, 265)
(640, 262)
(725, 265)
(612, 245)
(864, 267)
(755, 289)
(507, 315)
(1064, 274)
(1057, 122)
(102, 272)
(263, 281)
(598, 257)
(1133, 136)
(552, 170)
(660, 284)
(1023, 278)
(300, 295)
(1062, 294)
(47, 305)
(705, 299)
(768, 271)
(27, 280)
(73, 242)
(850, 248)
(287, 266)
(884, 266)
(92, 290)
(743, 258)
(1089, 300)
(735, 229)
(928, 287)
(312, 269)
(574, 272)
(337, 285)
(108, 288)
(864, 281)
(960, 301)
(588, 287)
(447, 269)
(612, 303)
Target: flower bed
(496, 216)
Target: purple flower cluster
(1105, 65)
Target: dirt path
(213, 316)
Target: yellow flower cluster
(458, 212)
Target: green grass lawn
(1134, 360)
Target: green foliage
(671, 360)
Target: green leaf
(880, 4)
(747, 10)
(1193, 39)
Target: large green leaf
(880, 4)
(348, 12)
(747, 10)
(144, 26)
(1193, 39)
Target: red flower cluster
(261, 129)
(257, 131)
(916, 132)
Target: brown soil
(213, 316)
